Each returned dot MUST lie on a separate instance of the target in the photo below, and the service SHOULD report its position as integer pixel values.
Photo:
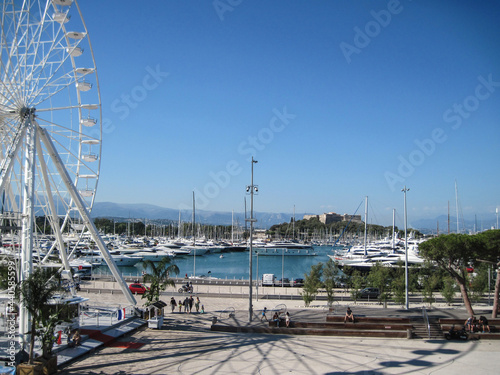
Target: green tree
(479, 282)
(398, 284)
(430, 283)
(449, 289)
(312, 283)
(356, 282)
(35, 293)
(491, 253)
(158, 275)
(453, 253)
(330, 273)
(379, 277)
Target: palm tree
(158, 277)
(35, 293)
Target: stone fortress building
(332, 217)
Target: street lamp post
(251, 189)
(406, 250)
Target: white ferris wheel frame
(31, 152)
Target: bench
(461, 322)
(335, 326)
(351, 326)
(447, 324)
(366, 319)
(348, 331)
(388, 327)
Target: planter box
(27, 369)
(156, 322)
(49, 366)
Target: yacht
(284, 251)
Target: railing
(100, 315)
(426, 321)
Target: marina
(234, 264)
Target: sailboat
(195, 249)
(386, 251)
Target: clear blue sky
(337, 100)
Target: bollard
(408, 334)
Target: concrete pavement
(187, 346)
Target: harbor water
(235, 265)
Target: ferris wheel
(50, 131)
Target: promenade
(185, 345)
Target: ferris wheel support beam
(54, 218)
(75, 195)
(27, 220)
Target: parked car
(340, 284)
(283, 282)
(369, 293)
(138, 288)
(268, 279)
(298, 282)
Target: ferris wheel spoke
(8, 162)
(70, 107)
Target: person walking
(173, 304)
(186, 304)
(191, 302)
(197, 304)
(263, 316)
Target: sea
(235, 265)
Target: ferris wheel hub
(25, 112)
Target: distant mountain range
(431, 225)
(265, 220)
(152, 212)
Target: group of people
(474, 325)
(188, 304)
(276, 317)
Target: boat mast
(448, 217)
(194, 240)
(366, 221)
(456, 203)
(179, 230)
(393, 228)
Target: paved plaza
(186, 345)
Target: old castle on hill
(332, 217)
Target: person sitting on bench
(74, 339)
(276, 318)
(470, 323)
(349, 315)
(483, 322)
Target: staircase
(420, 329)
